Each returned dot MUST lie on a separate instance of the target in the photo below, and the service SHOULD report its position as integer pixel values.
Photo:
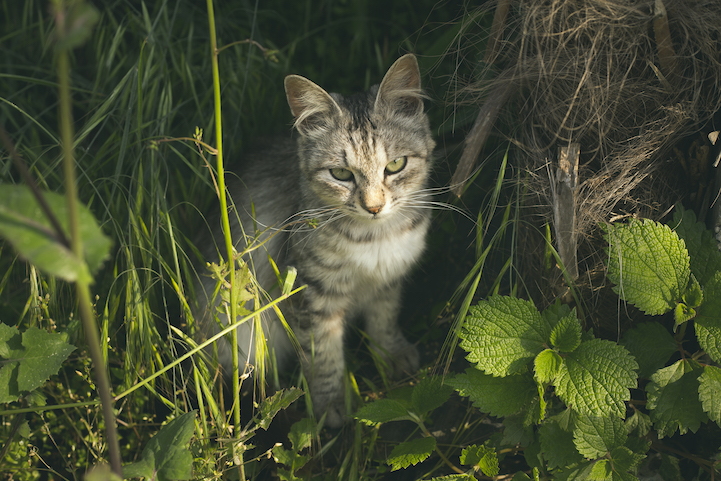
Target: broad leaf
(546, 365)
(701, 245)
(708, 319)
(555, 312)
(595, 437)
(382, 411)
(673, 399)
(411, 453)
(498, 396)
(272, 405)
(595, 379)
(166, 456)
(566, 335)
(430, 394)
(302, 433)
(28, 359)
(25, 226)
(503, 334)
(648, 264)
(481, 457)
(557, 445)
(638, 423)
(651, 345)
(708, 392)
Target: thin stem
(82, 285)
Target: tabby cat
(347, 206)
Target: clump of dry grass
(624, 79)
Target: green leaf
(430, 394)
(24, 225)
(455, 477)
(482, 457)
(498, 396)
(566, 335)
(555, 312)
(382, 411)
(546, 365)
(595, 379)
(708, 392)
(701, 245)
(708, 319)
(557, 446)
(29, 359)
(673, 398)
(411, 453)
(272, 405)
(594, 436)
(651, 345)
(503, 334)
(601, 471)
(623, 462)
(166, 455)
(638, 422)
(302, 433)
(648, 264)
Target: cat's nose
(375, 209)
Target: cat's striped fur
(350, 200)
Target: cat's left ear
(312, 107)
(400, 90)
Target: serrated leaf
(430, 394)
(411, 453)
(515, 431)
(302, 433)
(651, 345)
(601, 471)
(596, 378)
(648, 264)
(498, 396)
(503, 334)
(673, 400)
(638, 423)
(24, 225)
(455, 477)
(555, 312)
(272, 405)
(546, 365)
(382, 411)
(566, 335)
(708, 319)
(482, 457)
(623, 462)
(708, 392)
(166, 454)
(29, 359)
(595, 436)
(557, 446)
(701, 245)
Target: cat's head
(369, 153)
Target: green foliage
(498, 396)
(28, 359)
(300, 436)
(411, 452)
(166, 456)
(481, 458)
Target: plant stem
(82, 285)
(226, 227)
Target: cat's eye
(397, 165)
(342, 174)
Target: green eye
(397, 165)
(342, 174)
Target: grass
(141, 86)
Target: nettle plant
(565, 396)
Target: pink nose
(374, 209)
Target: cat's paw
(335, 416)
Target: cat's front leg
(387, 340)
(320, 334)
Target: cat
(346, 204)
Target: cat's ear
(400, 91)
(311, 106)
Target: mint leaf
(566, 335)
(481, 457)
(411, 453)
(638, 422)
(28, 359)
(166, 455)
(546, 365)
(24, 225)
(594, 436)
(555, 312)
(430, 394)
(701, 245)
(623, 462)
(557, 446)
(648, 264)
(651, 345)
(503, 334)
(708, 319)
(601, 471)
(382, 411)
(302, 433)
(595, 379)
(272, 405)
(673, 399)
(498, 396)
(708, 392)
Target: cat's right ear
(311, 106)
